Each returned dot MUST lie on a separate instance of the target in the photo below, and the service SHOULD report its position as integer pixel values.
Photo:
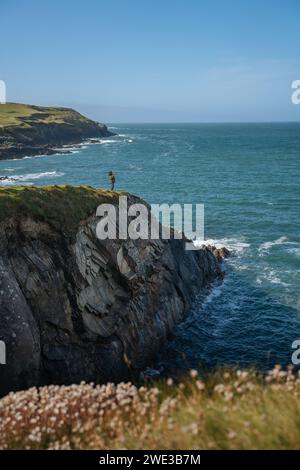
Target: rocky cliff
(33, 130)
(73, 307)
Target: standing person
(112, 180)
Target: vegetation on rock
(24, 115)
(63, 207)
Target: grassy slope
(226, 410)
(63, 207)
(23, 115)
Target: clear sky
(154, 60)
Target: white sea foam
(29, 157)
(215, 292)
(36, 176)
(270, 276)
(109, 141)
(94, 141)
(68, 148)
(295, 251)
(267, 245)
(114, 141)
(12, 169)
(27, 178)
(233, 244)
(66, 153)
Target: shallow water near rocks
(248, 176)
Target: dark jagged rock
(76, 308)
(219, 253)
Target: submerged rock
(76, 308)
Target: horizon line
(201, 122)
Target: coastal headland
(36, 130)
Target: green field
(14, 114)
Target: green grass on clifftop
(14, 114)
(62, 207)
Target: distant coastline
(35, 130)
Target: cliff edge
(74, 307)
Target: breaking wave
(28, 178)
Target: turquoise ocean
(248, 178)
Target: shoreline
(19, 153)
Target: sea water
(248, 178)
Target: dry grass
(228, 410)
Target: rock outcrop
(220, 253)
(74, 307)
(35, 130)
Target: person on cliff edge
(112, 180)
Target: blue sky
(166, 60)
